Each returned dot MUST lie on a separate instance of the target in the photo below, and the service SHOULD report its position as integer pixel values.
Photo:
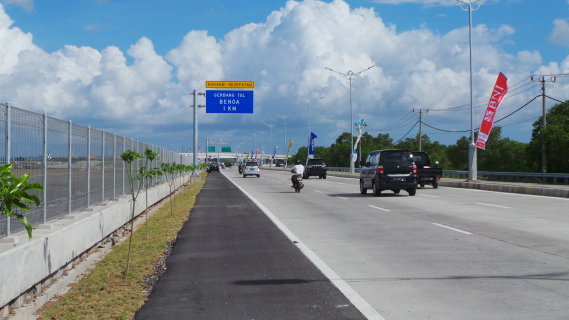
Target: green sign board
(226, 149)
(211, 149)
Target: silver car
(252, 168)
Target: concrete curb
(533, 190)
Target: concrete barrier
(54, 245)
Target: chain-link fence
(78, 166)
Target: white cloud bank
(560, 33)
(286, 55)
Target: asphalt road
(231, 262)
(445, 253)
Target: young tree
(14, 195)
(135, 181)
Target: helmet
(298, 162)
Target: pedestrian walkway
(231, 262)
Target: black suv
(213, 166)
(389, 170)
(315, 167)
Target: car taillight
(379, 170)
(414, 168)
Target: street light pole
(350, 75)
(196, 106)
(270, 125)
(308, 122)
(472, 162)
(284, 117)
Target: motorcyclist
(298, 169)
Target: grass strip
(105, 292)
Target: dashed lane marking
(378, 208)
(451, 228)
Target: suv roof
(316, 161)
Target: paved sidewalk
(231, 262)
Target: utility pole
(196, 106)
(543, 79)
(421, 126)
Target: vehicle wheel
(362, 189)
(396, 191)
(412, 192)
(324, 176)
(320, 177)
(376, 190)
(306, 177)
(244, 176)
(258, 176)
(422, 184)
(435, 184)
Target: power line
(407, 132)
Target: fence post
(8, 155)
(114, 165)
(44, 151)
(69, 174)
(88, 166)
(103, 166)
(123, 173)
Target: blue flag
(311, 145)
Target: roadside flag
(311, 145)
(498, 93)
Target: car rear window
(399, 158)
(251, 163)
(316, 161)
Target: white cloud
(560, 33)
(286, 55)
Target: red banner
(500, 89)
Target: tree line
(501, 154)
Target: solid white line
(343, 198)
(317, 191)
(379, 208)
(428, 195)
(492, 205)
(363, 306)
(451, 228)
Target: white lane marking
(428, 195)
(379, 208)
(492, 205)
(451, 228)
(363, 306)
(343, 198)
(317, 191)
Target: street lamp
(308, 124)
(471, 5)
(284, 117)
(350, 75)
(270, 125)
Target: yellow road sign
(230, 84)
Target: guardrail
(527, 177)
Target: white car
(252, 168)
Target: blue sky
(128, 66)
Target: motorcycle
(297, 182)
